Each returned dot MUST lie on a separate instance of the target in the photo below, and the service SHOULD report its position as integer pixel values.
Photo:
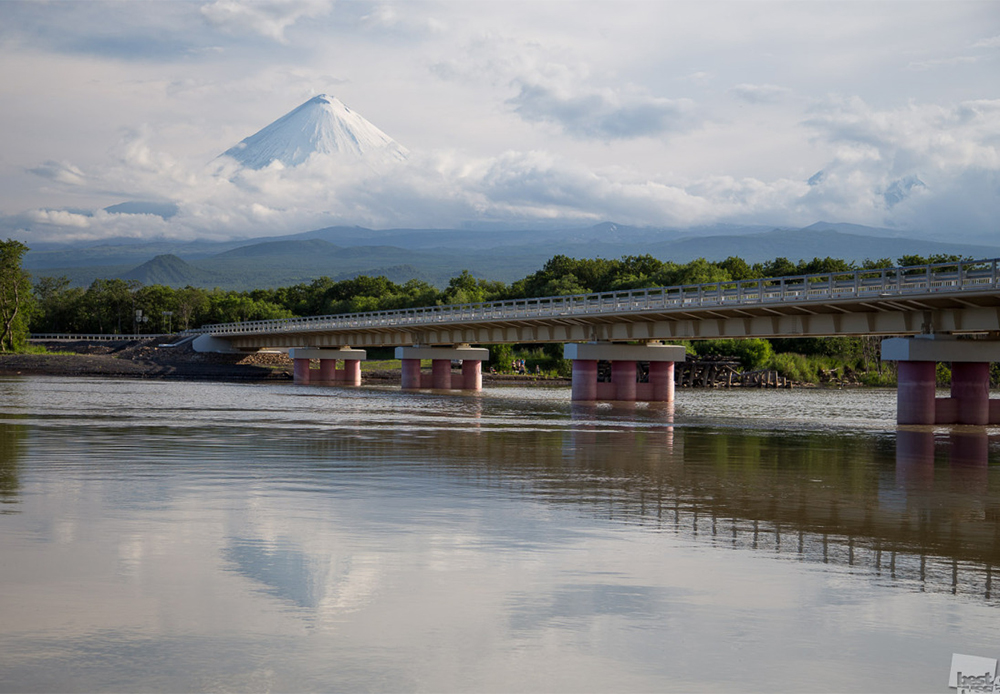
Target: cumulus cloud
(268, 18)
(914, 166)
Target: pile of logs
(725, 372)
(712, 372)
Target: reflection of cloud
(573, 603)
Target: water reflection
(12, 443)
(378, 540)
(921, 508)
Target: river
(170, 536)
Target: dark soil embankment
(143, 359)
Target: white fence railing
(92, 337)
(875, 284)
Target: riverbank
(154, 359)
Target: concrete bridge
(929, 306)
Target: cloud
(943, 62)
(601, 113)
(991, 42)
(550, 89)
(61, 172)
(759, 93)
(268, 18)
(915, 167)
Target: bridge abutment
(624, 385)
(327, 372)
(917, 358)
(440, 376)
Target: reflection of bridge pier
(918, 357)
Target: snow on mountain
(322, 125)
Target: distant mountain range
(436, 255)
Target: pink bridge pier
(941, 313)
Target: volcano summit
(323, 125)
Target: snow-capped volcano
(321, 125)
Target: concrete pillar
(300, 370)
(623, 376)
(441, 358)
(352, 372)
(584, 381)
(327, 370)
(915, 392)
(472, 375)
(661, 375)
(328, 359)
(623, 358)
(441, 372)
(411, 374)
(970, 389)
(970, 359)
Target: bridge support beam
(327, 372)
(624, 385)
(917, 359)
(440, 376)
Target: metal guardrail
(91, 337)
(880, 283)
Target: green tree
(16, 300)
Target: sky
(662, 114)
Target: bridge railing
(93, 337)
(868, 283)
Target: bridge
(926, 307)
(945, 298)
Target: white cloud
(991, 42)
(268, 18)
(61, 172)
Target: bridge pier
(917, 359)
(624, 385)
(327, 372)
(440, 376)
